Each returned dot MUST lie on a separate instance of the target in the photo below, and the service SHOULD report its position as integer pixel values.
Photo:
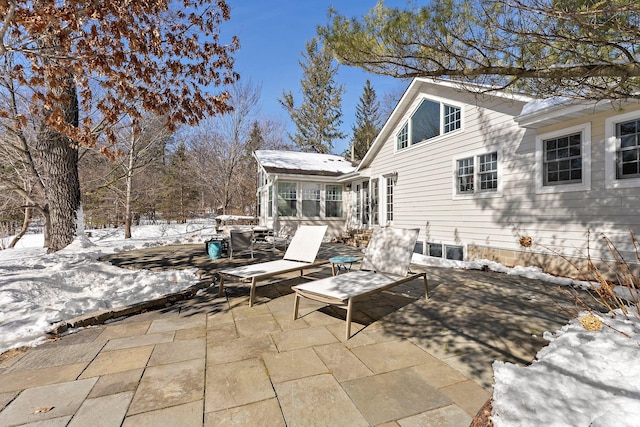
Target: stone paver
(390, 355)
(449, 416)
(394, 395)
(110, 362)
(209, 361)
(48, 356)
(301, 338)
(187, 415)
(169, 385)
(47, 402)
(20, 380)
(105, 411)
(239, 349)
(236, 383)
(178, 351)
(118, 382)
(318, 401)
(342, 363)
(280, 365)
(263, 413)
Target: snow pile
(582, 378)
(37, 289)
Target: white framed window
(478, 175)
(403, 137)
(333, 201)
(287, 199)
(389, 183)
(310, 195)
(270, 202)
(563, 160)
(374, 201)
(430, 120)
(622, 155)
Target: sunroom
(297, 188)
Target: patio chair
(240, 241)
(300, 254)
(385, 265)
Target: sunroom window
(431, 119)
(333, 208)
(287, 199)
(310, 199)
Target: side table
(341, 263)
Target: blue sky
(272, 36)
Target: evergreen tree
(584, 49)
(256, 140)
(180, 195)
(367, 123)
(319, 117)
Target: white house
(502, 177)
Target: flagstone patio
(209, 361)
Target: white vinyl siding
(556, 217)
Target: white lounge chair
(385, 265)
(301, 253)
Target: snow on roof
(298, 162)
(544, 104)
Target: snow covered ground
(582, 378)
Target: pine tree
(367, 123)
(319, 117)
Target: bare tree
(156, 56)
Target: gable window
(287, 199)
(310, 199)
(478, 174)
(333, 201)
(452, 120)
(403, 137)
(563, 160)
(425, 122)
(431, 119)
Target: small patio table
(341, 263)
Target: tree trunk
(127, 206)
(25, 226)
(58, 161)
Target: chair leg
(252, 292)
(349, 308)
(296, 306)
(221, 286)
(426, 287)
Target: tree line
(139, 107)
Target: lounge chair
(239, 241)
(301, 253)
(385, 265)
